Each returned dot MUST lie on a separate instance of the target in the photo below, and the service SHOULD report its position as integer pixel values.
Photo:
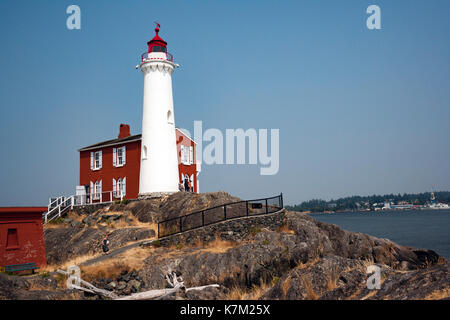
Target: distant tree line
(357, 202)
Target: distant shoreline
(376, 211)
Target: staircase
(57, 207)
(60, 205)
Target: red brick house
(109, 170)
(22, 236)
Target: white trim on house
(184, 134)
(96, 164)
(119, 153)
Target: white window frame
(182, 154)
(119, 185)
(97, 190)
(185, 155)
(97, 163)
(120, 161)
(144, 153)
(119, 156)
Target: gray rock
(122, 285)
(134, 285)
(112, 285)
(126, 277)
(75, 224)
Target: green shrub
(125, 201)
(156, 243)
(255, 230)
(57, 221)
(45, 274)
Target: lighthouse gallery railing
(145, 56)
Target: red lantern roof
(157, 44)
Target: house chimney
(124, 131)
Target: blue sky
(359, 111)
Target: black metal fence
(223, 212)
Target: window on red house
(12, 240)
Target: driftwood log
(172, 279)
(90, 287)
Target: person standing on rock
(186, 183)
(105, 245)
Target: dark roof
(112, 142)
(23, 209)
(123, 140)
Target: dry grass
(71, 215)
(370, 294)
(255, 293)
(71, 296)
(438, 294)
(218, 246)
(136, 223)
(37, 286)
(368, 262)
(308, 264)
(285, 286)
(107, 269)
(355, 294)
(284, 228)
(230, 273)
(333, 278)
(53, 226)
(119, 224)
(236, 293)
(310, 294)
(72, 262)
(129, 260)
(375, 291)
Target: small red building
(109, 170)
(22, 236)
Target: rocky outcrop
(337, 278)
(63, 244)
(82, 231)
(314, 261)
(126, 283)
(289, 255)
(236, 230)
(39, 287)
(329, 239)
(174, 205)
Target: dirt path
(112, 253)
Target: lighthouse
(159, 160)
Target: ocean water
(429, 229)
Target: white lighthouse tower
(159, 159)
